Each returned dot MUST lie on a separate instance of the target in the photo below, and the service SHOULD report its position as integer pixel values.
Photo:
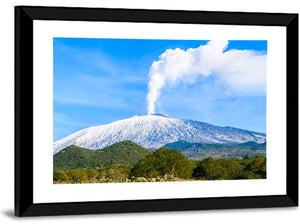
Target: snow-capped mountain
(154, 131)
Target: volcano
(155, 130)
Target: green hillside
(121, 153)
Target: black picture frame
(24, 17)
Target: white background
(46, 191)
(275, 215)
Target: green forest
(119, 164)
(74, 157)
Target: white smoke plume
(240, 70)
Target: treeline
(169, 165)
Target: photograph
(158, 110)
(152, 110)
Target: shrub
(92, 174)
(60, 176)
(77, 176)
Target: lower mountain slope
(198, 151)
(122, 153)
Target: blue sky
(98, 81)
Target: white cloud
(241, 71)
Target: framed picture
(122, 110)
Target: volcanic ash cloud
(238, 70)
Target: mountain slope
(154, 131)
(181, 145)
(200, 151)
(74, 157)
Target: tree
(246, 157)
(208, 169)
(231, 169)
(163, 162)
(56, 175)
(253, 168)
(258, 166)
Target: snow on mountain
(154, 131)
